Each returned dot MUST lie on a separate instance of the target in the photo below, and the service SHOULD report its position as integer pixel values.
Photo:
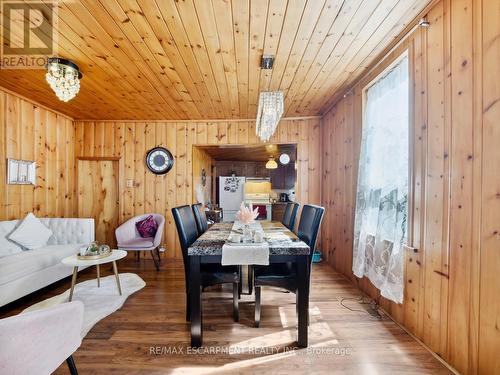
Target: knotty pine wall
(32, 132)
(130, 141)
(202, 160)
(452, 292)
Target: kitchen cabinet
(283, 177)
(278, 210)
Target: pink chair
(128, 238)
(38, 342)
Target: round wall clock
(159, 160)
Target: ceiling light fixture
(266, 62)
(271, 163)
(269, 112)
(423, 22)
(63, 76)
(284, 159)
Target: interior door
(98, 197)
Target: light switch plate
(130, 183)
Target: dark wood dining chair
(290, 215)
(200, 217)
(284, 275)
(211, 274)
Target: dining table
(284, 247)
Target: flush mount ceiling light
(284, 159)
(63, 76)
(269, 113)
(271, 163)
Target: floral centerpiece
(247, 216)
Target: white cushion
(8, 247)
(31, 261)
(31, 233)
(69, 230)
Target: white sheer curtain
(382, 194)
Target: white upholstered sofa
(29, 270)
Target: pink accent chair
(128, 238)
(37, 342)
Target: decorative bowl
(94, 251)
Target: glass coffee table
(75, 262)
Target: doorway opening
(264, 176)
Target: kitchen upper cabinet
(242, 168)
(283, 177)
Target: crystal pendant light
(269, 113)
(63, 76)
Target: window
(380, 225)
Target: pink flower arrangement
(246, 215)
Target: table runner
(245, 253)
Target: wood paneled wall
(31, 132)
(451, 280)
(131, 140)
(202, 161)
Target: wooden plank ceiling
(199, 59)
(250, 153)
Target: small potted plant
(94, 251)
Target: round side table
(74, 262)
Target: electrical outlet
(130, 183)
(162, 249)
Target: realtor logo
(28, 33)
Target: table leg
(73, 281)
(98, 275)
(115, 270)
(195, 301)
(250, 280)
(303, 299)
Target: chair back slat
(290, 215)
(310, 222)
(200, 217)
(187, 231)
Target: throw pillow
(147, 227)
(8, 247)
(31, 233)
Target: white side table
(74, 262)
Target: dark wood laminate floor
(149, 334)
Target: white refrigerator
(231, 194)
